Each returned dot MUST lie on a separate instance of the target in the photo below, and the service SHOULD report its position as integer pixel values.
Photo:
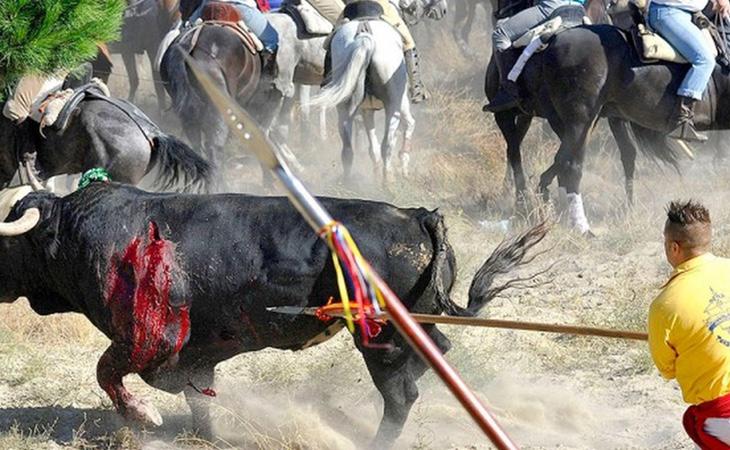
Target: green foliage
(45, 36)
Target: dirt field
(549, 391)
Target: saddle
(55, 108)
(310, 23)
(363, 10)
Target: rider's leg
(260, 26)
(502, 38)
(418, 92)
(329, 9)
(26, 91)
(676, 26)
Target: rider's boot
(683, 120)
(418, 91)
(268, 63)
(508, 95)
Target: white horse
(371, 50)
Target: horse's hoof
(139, 411)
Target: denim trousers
(517, 25)
(254, 19)
(675, 25)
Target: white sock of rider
(529, 50)
(577, 214)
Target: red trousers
(694, 422)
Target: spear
(253, 137)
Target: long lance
(578, 330)
(252, 136)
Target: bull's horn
(30, 218)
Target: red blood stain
(139, 284)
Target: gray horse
(100, 134)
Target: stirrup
(686, 132)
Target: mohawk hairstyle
(687, 213)
(688, 223)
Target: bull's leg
(130, 63)
(395, 373)
(199, 398)
(113, 365)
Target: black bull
(179, 283)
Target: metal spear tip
(239, 121)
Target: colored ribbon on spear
(371, 288)
(354, 272)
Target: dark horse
(514, 125)
(594, 71)
(220, 52)
(100, 134)
(144, 27)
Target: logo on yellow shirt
(717, 315)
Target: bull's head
(29, 218)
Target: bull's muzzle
(30, 219)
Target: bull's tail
(348, 78)
(176, 162)
(507, 256)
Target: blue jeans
(675, 25)
(254, 19)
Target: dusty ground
(549, 391)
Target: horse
(464, 13)
(372, 50)
(219, 51)
(613, 83)
(115, 136)
(514, 125)
(145, 24)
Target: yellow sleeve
(662, 352)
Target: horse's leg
(394, 373)
(392, 123)
(628, 150)
(345, 125)
(130, 63)
(409, 126)
(159, 86)
(368, 118)
(514, 127)
(569, 160)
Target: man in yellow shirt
(689, 324)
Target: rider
(418, 92)
(27, 91)
(257, 22)
(672, 19)
(503, 36)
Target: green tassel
(94, 175)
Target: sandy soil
(549, 391)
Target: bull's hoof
(139, 411)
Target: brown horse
(217, 46)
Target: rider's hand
(722, 7)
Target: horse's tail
(177, 162)
(656, 145)
(348, 78)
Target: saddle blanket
(313, 21)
